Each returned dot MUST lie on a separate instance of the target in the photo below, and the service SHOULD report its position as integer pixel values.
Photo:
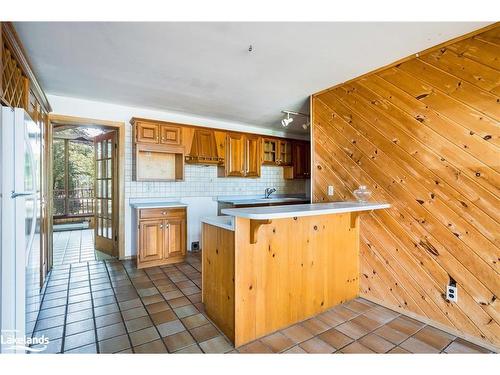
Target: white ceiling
(206, 69)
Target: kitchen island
(265, 268)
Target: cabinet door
(150, 240)
(307, 160)
(147, 132)
(175, 238)
(285, 152)
(235, 155)
(301, 160)
(269, 151)
(252, 156)
(170, 134)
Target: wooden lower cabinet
(175, 238)
(162, 236)
(150, 241)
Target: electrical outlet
(331, 190)
(452, 293)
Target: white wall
(201, 184)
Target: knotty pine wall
(424, 136)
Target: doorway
(86, 174)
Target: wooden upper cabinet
(235, 155)
(243, 155)
(147, 132)
(269, 151)
(150, 241)
(220, 141)
(301, 159)
(170, 134)
(253, 156)
(276, 151)
(284, 152)
(175, 238)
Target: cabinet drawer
(158, 213)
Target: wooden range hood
(203, 148)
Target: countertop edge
(157, 205)
(214, 221)
(284, 215)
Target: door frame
(56, 119)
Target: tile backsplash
(202, 181)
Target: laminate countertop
(259, 200)
(225, 222)
(158, 204)
(298, 210)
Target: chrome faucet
(268, 192)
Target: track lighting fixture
(288, 120)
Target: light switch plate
(331, 190)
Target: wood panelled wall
(424, 136)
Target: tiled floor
(75, 246)
(111, 307)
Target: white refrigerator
(20, 177)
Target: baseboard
(442, 327)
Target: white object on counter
(298, 210)
(226, 222)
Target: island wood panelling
(424, 135)
(269, 274)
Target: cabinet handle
(161, 226)
(163, 212)
(168, 225)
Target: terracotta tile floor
(111, 307)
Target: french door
(106, 237)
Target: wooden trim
(442, 327)
(17, 49)
(254, 228)
(82, 121)
(120, 126)
(412, 56)
(133, 120)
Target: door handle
(14, 194)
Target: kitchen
(219, 165)
(356, 216)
